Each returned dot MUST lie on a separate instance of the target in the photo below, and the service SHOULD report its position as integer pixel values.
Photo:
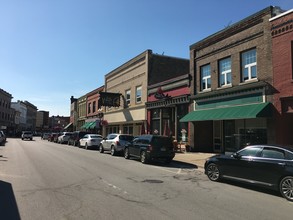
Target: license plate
(163, 149)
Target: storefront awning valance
(230, 113)
(86, 125)
(93, 125)
(67, 126)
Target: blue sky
(51, 50)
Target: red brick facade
(282, 53)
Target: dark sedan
(263, 165)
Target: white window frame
(127, 99)
(248, 65)
(204, 79)
(225, 73)
(137, 96)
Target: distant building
(73, 114)
(27, 115)
(20, 116)
(6, 114)
(31, 116)
(81, 108)
(42, 121)
(58, 123)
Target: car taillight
(117, 143)
(150, 148)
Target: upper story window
(127, 96)
(138, 94)
(205, 77)
(225, 71)
(89, 108)
(249, 70)
(94, 106)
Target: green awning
(89, 124)
(93, 125)
(86, 125)
(230, 113)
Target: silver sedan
(91, 141)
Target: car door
(134, 146)
(82, 141)
(239, 164)
(109, 141)
(270, 166)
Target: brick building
(136, 82)
(168, 96)
(94, 113)
(282, 47)
(232, 86)
(6, 120)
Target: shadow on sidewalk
(8, 205)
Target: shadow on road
(8, 206)
(173, 164)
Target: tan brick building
(130, 82)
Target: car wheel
(86, 147)
(143, 157)
(113, 151)
(213, 172)
(126, 153)
(101, 149)
(286, 188)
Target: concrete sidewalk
(195, 158)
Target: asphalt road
(44, 180)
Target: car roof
(289, 148)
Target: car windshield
(96, 136)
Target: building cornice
(233, 29)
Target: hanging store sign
(160, 94)
(109, 99)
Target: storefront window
(127, 129)
(240, 133)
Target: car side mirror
(236, 156)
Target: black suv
(75, 137)
(149, 147)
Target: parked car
(263, 165)
(75, 137)
(45, 136)
(150, 147)
(115, 143)
(3, 135)
(91, 141)
(2, 140)
(56, 136)
(51, 137)
(27, 135)
(63, 138)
